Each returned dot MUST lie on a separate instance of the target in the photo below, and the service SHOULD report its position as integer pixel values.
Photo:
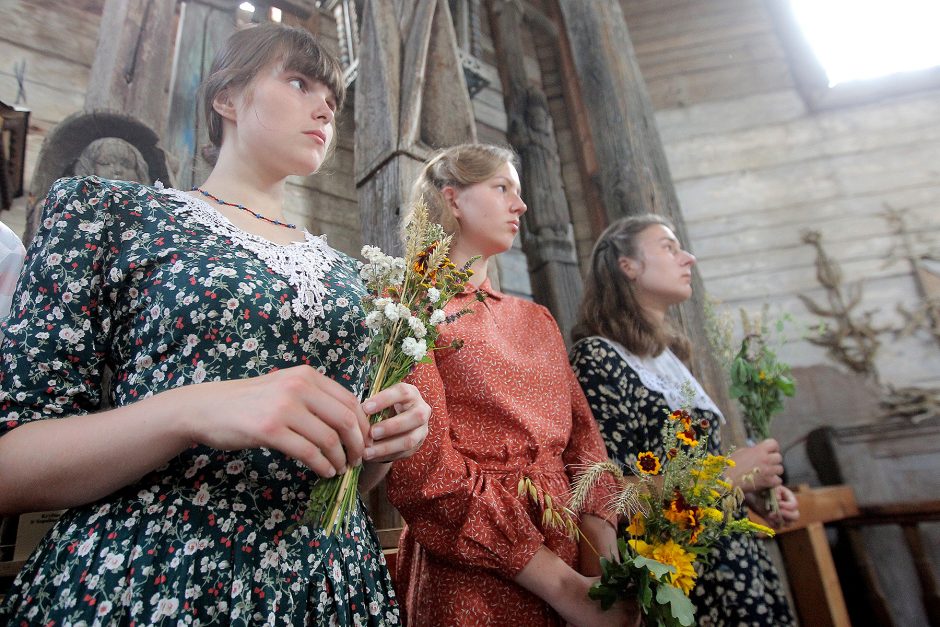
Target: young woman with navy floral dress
(626, 358)
(237, 349)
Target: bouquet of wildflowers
(677, 507)
(404, 306)
(759, 382)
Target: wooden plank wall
(753, 167)
(56, 41)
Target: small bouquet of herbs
(677, 507)
(404, 307)
(759, 381)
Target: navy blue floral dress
(163, 290)
(741, 586)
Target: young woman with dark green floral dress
(236, 343)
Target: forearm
(58, 463)
(372, 473)
(548, 577)
(598, 539)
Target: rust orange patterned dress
(504, 406)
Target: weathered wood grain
(633, 175)
(132, 65)
(203, 29)
(65, 33)
(547, 238)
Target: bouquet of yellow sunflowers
(404, 307)
(677, 509)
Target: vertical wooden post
(632, 172)
(547, 238)
(816, 588)
(410, 98)
(131, 68)
(204, 26)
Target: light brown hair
(459, 167)
(249, 51)
(609, 307)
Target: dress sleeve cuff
(521, 554)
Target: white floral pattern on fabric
(740, 587)
(305, 263)
(119, 275)
(665, 374)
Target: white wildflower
(374, 320)
(437, 317)
(416, 349)
(371, 252)
(391, 312)
(434, 294)
(417, 327)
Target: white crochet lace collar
(304, 264)
(665, 374)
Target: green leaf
(680, 606)
(658, 569)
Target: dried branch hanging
(851, 337)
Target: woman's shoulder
(95, 185)
(93, 194)
(528, 311)
(598, 348)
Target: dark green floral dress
(630, 400)
(166, 292)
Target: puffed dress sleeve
(56, 338)
(617, 399)
(452, 508)
(586, 447)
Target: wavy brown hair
(609, 307)
(459, 167)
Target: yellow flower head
(762, 375)
(420, 265)
(642, 548)
(687, 436)
(712, 461)
(637, 526)
(714, 514)
(683, 416)
(759, 528)
(674, 555)
(648, 463)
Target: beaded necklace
(243, 208)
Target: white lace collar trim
(304, 263)
(665, 374)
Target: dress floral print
(741, 586)
(504, 407)
(165, 292)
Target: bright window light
(275, 14)
(860, 39)
(247, 6)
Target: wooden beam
(547, 234)
(823, 505)
(204, 27)
(410, 98)
(633, 175)
(132, 63)
(813, 578)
